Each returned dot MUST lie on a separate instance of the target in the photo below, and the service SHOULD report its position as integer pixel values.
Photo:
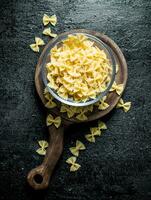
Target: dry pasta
(125, 105)
(47, 31)
(52, 20)
(43, 145)
(51, 120)
(79, 146)
(72, 161)
(38, 42)
(78, 69)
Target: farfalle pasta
(79, 146)
(102, 105)
(51, 120)
(72, 161)
(78, 69)
(43, 145)
(47, 31)
(49, 19)
(50, 103)
(96, 131)
(38, 42)
(125, 105)
(117, 87)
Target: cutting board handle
(38, 178)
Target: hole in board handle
(38, 179)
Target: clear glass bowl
(97, 42)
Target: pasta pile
(77, 69)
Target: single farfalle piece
(51, 120)
(43, 144)
(103, 105)
(126, 106)
(68, 110)
(82, 113)
(72, 161)
(49, 19)
(117, 87)
(50, 103)
(90, 137)
(79, 146)
(41, 151)
(34, 47)
(47, 31)
(94, 132)
(82, 116)
(102, 125)
(38, 42)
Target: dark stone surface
(118, 165)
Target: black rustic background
(118, 165)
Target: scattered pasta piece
(81, 116)
(118, 88)
(102, 125)
(52, 20)
(68, 110)
(47, 31)
(79, 109)
(73, 109)
(126, 106)
(50, 103)
(94, 132)
(51, 120)
(79, 146)
(90, 138)
(43, 144)
(72, 161)
(78, 70)
(103, 105)
(38, 42)
(34, 47)
(41, 151)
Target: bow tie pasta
(78, 69)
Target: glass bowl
(97, 42)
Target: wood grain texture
(117, 166)
(45, 170)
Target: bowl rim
(57, 40)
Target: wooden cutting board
(39, 177)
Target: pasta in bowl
(78, 69)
